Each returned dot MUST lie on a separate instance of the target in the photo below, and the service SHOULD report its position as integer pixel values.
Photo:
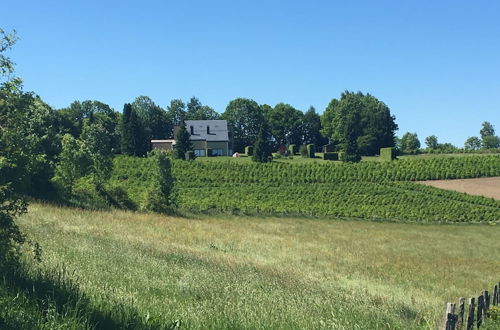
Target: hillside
(256, 273)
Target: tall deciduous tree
(409, 143)
(177, 112)
(311, 128)
(244, 115)
(377, 125)
(285, 123)
(432, 142)
(472, 143)
(488, 138)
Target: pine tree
(127, 136)
(133, 138)
(262, 149)
(182, 142)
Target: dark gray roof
(217, 130)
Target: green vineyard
(364, 190)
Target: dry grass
(248, 272)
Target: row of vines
(378, 191)
(194, 174)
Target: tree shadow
(58, 293)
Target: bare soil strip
(488, 187)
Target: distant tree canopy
(472, 143)
(488, 138)
(409, 143)
(245, 117)
(375, 129)
(285, 123)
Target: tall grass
(257, 273)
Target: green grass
(256, 273)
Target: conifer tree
(262, 149)
(182, 142)
(133, 139)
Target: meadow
(251, 272)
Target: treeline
(487, 142)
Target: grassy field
(255, 273)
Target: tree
(285, 123)
(182, 142)
(12, 204)
(132, 133)
(74, 162)
(311, 128)
(376, 127)
(245, 116)
(488, 138)
(432, 142)
(347, 129)
(177, 112)
(193, 106)
(491, 142)
(487, 130)
(409, 143)
(96, 141)
(262, 149)
(472, 143)
(155, 121)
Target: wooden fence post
(470, 316)
(480, 310)
(487, 302)
(450, 318)
(461, 310)
(495, 295)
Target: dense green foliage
(388, 154)
(262, 148)
(365, 190)
(144, 183)
(330, 156)
(183, 143)
(359, 123)
(409, 143)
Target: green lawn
(255, 273)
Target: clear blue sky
(436, 64)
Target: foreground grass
(267, 272)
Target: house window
(218, 152)
(199, 152)
(191, 129)
(208, 129)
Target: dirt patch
(489, 187)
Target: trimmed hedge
(311, 149)
(249, 150)
(388, 154)
(330, 156)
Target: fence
(459, 320)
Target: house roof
(217, 130)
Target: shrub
(303, 150)
(292, 149)
(494, 313)
(341, 156)
(249, 150)
(331, 156)
(190, 155)
(387, 154)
